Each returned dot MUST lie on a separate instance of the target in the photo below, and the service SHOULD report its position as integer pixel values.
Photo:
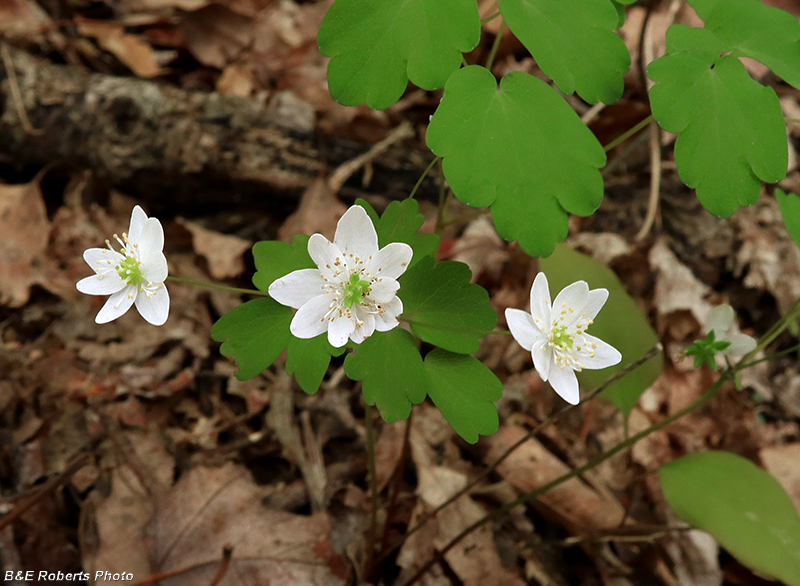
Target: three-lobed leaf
(308, 360)
(520, 149)
(275, 259)
(377, 47)
(254, 334)
(620, 323)
(391, 368)
(573, 43)
(731, 127)
(464, 390)
(741, 506)
(443, 307)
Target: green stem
(628, 134)
(495, 46)
(422, 177)
(534, 494)
(489, 19)
(218, 286)
(797, 120)
(771, 356)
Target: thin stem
(422, 177)
(797, 120)
(771, 356)
(373, 481)
(490, 18)
(495, 46)
(535, 494)
(218, 286)
(626, 135)
(448, 328)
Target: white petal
(154, 267)
(297, 288)
(116, 305)
(522, 328)
(605, 355)
(565, 383)
(597, 299)
(575, 296)
(390, 261)
(98, 257)
(542, 358)
(325, 255)
(366, 330)
(741, 344)
(103, 284)
(540, 302)
(153, 305)
(355, 233)
(339, 330)
(388, 321)
(310, 321)
(383, 291)
(720, 319)
(138, 221)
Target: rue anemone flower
(555, 334)
(134, 275)
(353, 291)
(720, 321)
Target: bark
(172, 147)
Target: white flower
(720, 320)
(556, 335)
(135, 275)
(353, 292)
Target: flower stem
(489, 18)
(218, 286)
(495, 46)
(626, 135)
(422, 177)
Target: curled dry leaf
(25, 230)
(129, 49)
(222, 251)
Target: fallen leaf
(782, 463)
(129, 49)
(23, 19)
(222, 251)
(25, 230)
(216, 35)
(236, 80)
(212, 508)
(318, 213)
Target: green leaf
(749, 28)
(464, 390)
(620, 323)
(399, 223)
(308, 360)
(275, 259)
(443, 307)
(790, 211)
(392, 370)
(731, 127)
(376, 47)
(741, 506)
(254, 334)
(574, 43)
(520, 149)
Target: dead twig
(16, 94)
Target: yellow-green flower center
(128, 268)
(355, 290)
(560, 337)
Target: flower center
(560, 337)
(355, 290)
(130, 271)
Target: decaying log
(164, 144)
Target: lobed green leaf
(376, 47)
(275, 259)
(520, 149)
(443, 307)
(574, 43)
(789, 204)
(391, 367)
(731, 127)
(308, 360)
(464, 390)
(741, 506)
(254, 334)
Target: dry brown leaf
(783, 462)
(209, 509)
(22, 19)
(25, 230)
(531, 466)
(318, 213)
(388, 451)
(481, 249)
(222, 251)
(216, 35)
(129, 49)
(236, 80)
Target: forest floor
(133, 449)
